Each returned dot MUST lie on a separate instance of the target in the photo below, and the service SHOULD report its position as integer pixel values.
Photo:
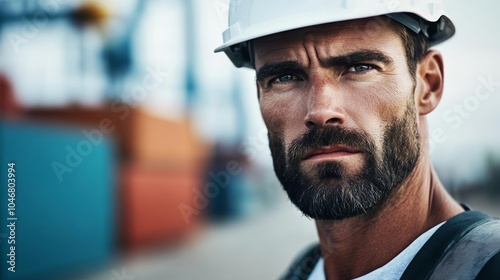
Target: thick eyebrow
(357, 57)
(277, 68)
(292, 66)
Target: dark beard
(331, 194)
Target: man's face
(338, 102)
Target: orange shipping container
(150, 204)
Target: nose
(324, 107)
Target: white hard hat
(251, 19)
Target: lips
(329, 152)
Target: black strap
(440, 243)
(424, 262)
(471, 253)
(491, 269)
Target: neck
(356, 246)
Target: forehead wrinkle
(275, 54)
(322, 41)
(302, 50)
(282, 52)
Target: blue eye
(359, 68)
(285, 78)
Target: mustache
(327, 136)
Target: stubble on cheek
(283, 122)
(270, 115)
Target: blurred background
(141, 154)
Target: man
(344, 90)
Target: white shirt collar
(393, 269)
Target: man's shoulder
(491, 269)
(471, 238)
(463, 246)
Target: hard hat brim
(437, 28)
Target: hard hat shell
(251, 19)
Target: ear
(430, 82)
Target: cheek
(377, 105)
(387, 99)
(271, 116)
(283, 116)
